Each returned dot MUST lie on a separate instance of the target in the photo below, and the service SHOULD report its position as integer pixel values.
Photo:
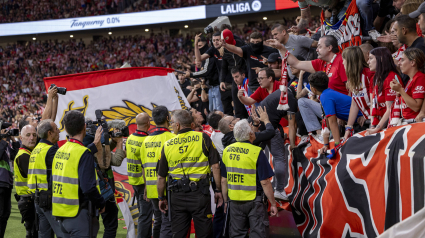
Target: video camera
(60, 90)
(10, 132)
(217, 23)
(91, 126)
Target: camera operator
(7, 154)
(75, 204)
(104, 160)
(23, 196)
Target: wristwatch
(161, 198)
(217, 191)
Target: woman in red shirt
(358, 84)
(382, 63)
(412, 64)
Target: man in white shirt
(216, 135)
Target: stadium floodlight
(186, 26)
(146, 30)
(34, 38)
(71, 36)
(110, 33)
(265, 18)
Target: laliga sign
(240, 7)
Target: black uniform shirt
(23, 162)
(255, 60)
(208, 149)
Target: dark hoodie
(228, 139)
(231, 60)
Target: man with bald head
(296, 44)
(225, 125)
(136, 174)
(25, 201)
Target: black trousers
(239, 108)
(110, 219)
(27, 209)
(5, 208)
(188, 206)
(249, 216)
(226, 100)
(219, 219)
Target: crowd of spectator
(31, 10)
(23, 67)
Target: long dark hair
(384, 65)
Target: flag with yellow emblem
(119, 93)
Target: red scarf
(283, 102)
(375, 107)
(395, 114)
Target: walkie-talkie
(185, 181)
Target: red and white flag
(119, 93)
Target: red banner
(347, 31)
(373, 183)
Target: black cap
(273, 57)
(419, 11)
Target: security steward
(151, 153)
(246, 172)
(23, 196)
(135, 174)
(39, 177)
(187, 158)
(76, 193)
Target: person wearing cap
(274, 61)
(420, 14)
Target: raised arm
(232, 48)
(292, 60)
(198, 56)
(47, 113)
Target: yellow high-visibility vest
(21, 183)
(134, 162)
(185, 156)
(241, 164)
(37, 170)
(151, 153)
(65, 180)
